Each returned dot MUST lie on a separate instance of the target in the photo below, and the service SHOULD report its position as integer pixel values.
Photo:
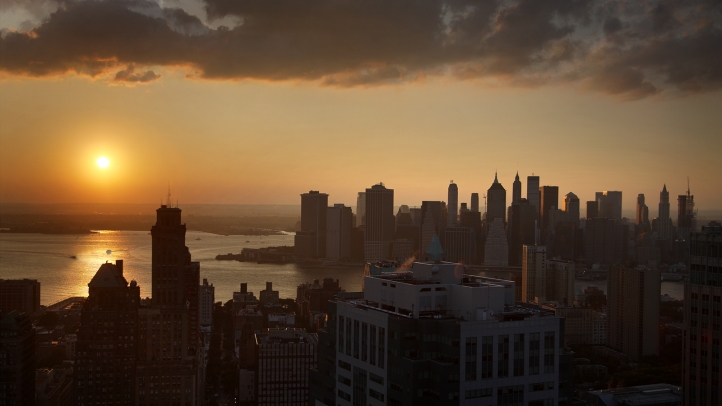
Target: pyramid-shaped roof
(108, 276)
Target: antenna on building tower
(168, 202)
(688, 186)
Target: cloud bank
(629, 49)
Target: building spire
(496, 179)
(168, 201)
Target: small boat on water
(198, 238)
(247, 241)
(73, 257)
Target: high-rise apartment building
(496, 202)
(633, 311)
(380, 222)
(534, 274)
(431, 335)
(310, 241)
(702, 313)
(571, 207)
(496, 246)
(532, 192)
(474, 202)
(339, 223)
(560, 285)
(206, 299)
(107, 346)
(285, 357)
(664, 222)
(549, 199)
(610, 204)
(453, 206)
(17, 359)
(20, 294)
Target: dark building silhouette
(605, 241)
(453, 207)
(311, 240)
(496, 202)
(460, 245)
(532, 192)
(549, 198)
(686, 221)
(609, 204)
(474, 202)
(521, 230)
(642, 212)
(702, 312)
(664, 222)
(592, 209)
(433, 221)
(169, 356)
(380, 222)
(19, 294)
(339, 222)
(472, 219)
(106, 351)
(516, 190)
(17, 359)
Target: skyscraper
(571, 207)
(642, 212)
(496, 247)
(20, 294)
(380, 222)
(475, 202)
(17, 359)
(521, 230)
(105, 365)
(592, 209)
(633, 311)
(496, 202)
(516, 189)
(206, 298)
(169, 351)
(610, 204)
(702, 298)
(360, 208)
(534, 274)
(433, 222)
(532, 192)
(686, 221)
(664, 222)
(339, 219)
(549, 198)
(453, 206)
(310, 241)
(605, 241)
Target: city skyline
(262, 137)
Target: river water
(47, 259)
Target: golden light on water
(103, 162)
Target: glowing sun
(103, 162)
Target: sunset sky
(256, 102)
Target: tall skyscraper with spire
(532, 191)
(496, 202)
(516, 190)
(664, 222)
(453, 207)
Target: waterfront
(47, 258)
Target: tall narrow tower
(380, 222)
(497, 202)
(664, 221)
(453, 207)
(516, 190)
(686, 221)
(475, 202)
(532, 191)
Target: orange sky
(258, 140)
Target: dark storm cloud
(630, 49)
